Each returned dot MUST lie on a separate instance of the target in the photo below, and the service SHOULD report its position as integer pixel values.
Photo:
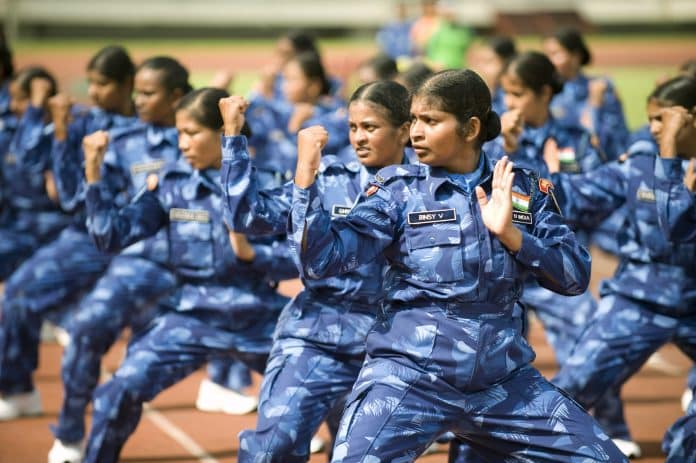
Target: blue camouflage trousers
(124, 296)
(317, 353)
(614, 347)
(431, 372)
(43, 287)
(564, 319)
(172, 347)
(15, 247)
(680, 439)
(229, 373)
(303, 382)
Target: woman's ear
(404, 132)
(473, 130)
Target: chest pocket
(191, 238)
(435, 252)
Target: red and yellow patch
(545, 185)
(152, 181)
(371, 190)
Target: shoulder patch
(545, 185)
(372, 189)
(386, 174)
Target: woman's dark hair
(678, 91)
(114, 63)
(312, 68)
(463, 94)
(302, 41)
(415, 75)
(504, 47)
(26, 75)
(392, 99)
(202, 105)
(173, 75)
(383, 65)
(6, 64)
(536, 71)
(571, 39)
(688, 68)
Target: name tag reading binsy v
(424, 217)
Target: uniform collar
(158, 135)
(439, 176)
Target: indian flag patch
(566, 155)
(520, 202)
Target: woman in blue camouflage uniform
(31, 215)
(650, 299)
(530, 81)
(274, 123)
(319, 343)
(61, 271)
(225, 302)
(447, 352)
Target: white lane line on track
(178, 435)
(173, 431)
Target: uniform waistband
(460, 309)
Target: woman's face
(488, 65)
(685, 136)
(200, 145)
(153, 102)
(296, 86)
(376, 141)
(436, 135)
(533, 107)
(567, 64)
(106, 93)
(19, 101)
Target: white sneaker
(659, 363)
(215, 398)
(316, 445)
(686, 398)
(629, 448)
(61, 335)
(16, 405)
(65, 453)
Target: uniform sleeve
(585, 199)
(551, 251)
(327, 247)
(113, 229)
(248, 210)
(68, 166)
(610, 125)
(676, 205)
(35, 144)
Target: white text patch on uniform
(522, 217)
(151, 166)
(189, 215)
(643, 194)
(423, 217)
(340, 211)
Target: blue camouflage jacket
(576, 152)
(186, 207)
(133, 153)
(256, 211)
(438, 250)
(652, 269)
(676, 205)
(68, 157)
(27, 205)
(572, 105)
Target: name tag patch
(189, 215)
(340, 211)
(643, 194)
(423, 217)
(10, 159)
(151, 166)
(522, 217)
